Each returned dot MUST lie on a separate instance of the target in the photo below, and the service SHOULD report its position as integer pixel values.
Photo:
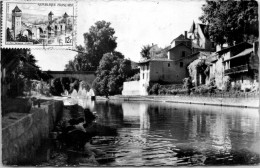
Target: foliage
(230, 21)
(9, 36)
(187, 83)
(153, 88)
(197, 66)
(20, 66)
(99, 40)
(145, 51)
(135, 77)
(22, 38)
(227, 84)
(236, 87)
(113, 70)
(81, 61)
(212, 82)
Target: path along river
(171, 134)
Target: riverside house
(170, 68)
(238, 63)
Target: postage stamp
(39, 24)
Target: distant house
(239, 63)
(157, 52)
(180, 52)
(200, 38)
(169, 65)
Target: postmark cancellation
(39, 24)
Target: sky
(136, 23)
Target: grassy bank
(243, 102)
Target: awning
(243, 53)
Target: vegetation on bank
(188, 88)
(20, 72)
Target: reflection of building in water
(144, 117)
(136, 114)
(219, 132)
(87, 103)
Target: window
(183, 53)
(143, 75)
(169, 64)
(181, 64)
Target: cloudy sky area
(136, 23)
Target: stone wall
(132, 88)
(23, 137)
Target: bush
(154, 89)
(227, 84)
(236, 87)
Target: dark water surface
(168, 134)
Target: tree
(99, 40)
(81, 61)
(20, 66)
(229, 21)
(145, 51)
(113, 70)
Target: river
(169, 134)
(172, 134)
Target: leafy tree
(20, 66)
(145, 51)
(9, 36)
(99, 40)
(81, 61)
(113, 70)
(230, 21)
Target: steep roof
(65, 15)
(155, 60)
(50, 13)
(241, 54)
(178, 46)
(180, 38)
(240, 45)
(192, 28)
(16, 9)
(202, 26)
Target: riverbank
(242, 102)
(25, 131)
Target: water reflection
(177, 134)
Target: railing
(237, 69)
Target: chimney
(185, 32)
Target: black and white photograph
(130, 83)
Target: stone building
(200, 38)
(173, 68)
(238, 63)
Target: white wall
(134, 88)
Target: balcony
(237, 69)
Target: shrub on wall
(227, 84)
(153, 88)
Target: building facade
(238, 64)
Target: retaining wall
(22, 138)
(216, 101)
